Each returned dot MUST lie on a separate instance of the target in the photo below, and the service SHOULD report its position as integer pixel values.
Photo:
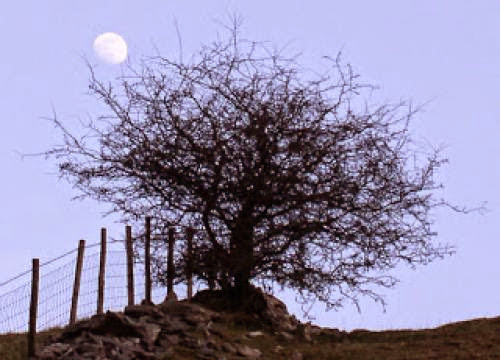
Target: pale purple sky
(446, 51)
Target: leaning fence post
(130, 265)
(147, 261)
(102, 274)
(76, 285)
(189, 262)
(170, 266)
(33, 307)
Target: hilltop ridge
(176, 329)
(211, 326)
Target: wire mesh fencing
(55, 282)
(56, 285)
(14, 305)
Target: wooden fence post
(35, 275)
(102, 273)
(130, 265)
(147, 261)
(76, 285)
(189, 262)
(170, 266)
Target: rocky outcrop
(140, 332)
(154, 332)
(266, 309)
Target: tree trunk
(242, 259)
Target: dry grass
(474, 339)
(14, 346)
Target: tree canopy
(289, 176)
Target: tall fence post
(76, 285)
(102, 273)
(35, 275)
(147, 261)
(170, 266)
(189, 262)
(130, 265)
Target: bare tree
(289, 176)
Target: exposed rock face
(264, 307)
(152, 332)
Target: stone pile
(265, 308)
(152, 332)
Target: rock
(255, 333)
(189, 310)
(285, 335)
(149, 332)
(205, 350)
(248, 352)
(257, 305)
(112, 336)
(215, 331)
(304, 330)
(116, 324)
(314, 330)
(241, 339)
(277, 313)
(137, 311)
(228, 347)
(212, 344)
(77, 329)
(55, 350)
(192, 342)
(175, 326)
(195, 319)
(278, 349)
(173, 339)
(142, 354)
(89, 348)
(204, 328)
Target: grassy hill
(474, 339)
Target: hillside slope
(263, 330)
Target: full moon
(111, 48)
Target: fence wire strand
(56, 288)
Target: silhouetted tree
(289, 176)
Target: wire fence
(56, 287)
